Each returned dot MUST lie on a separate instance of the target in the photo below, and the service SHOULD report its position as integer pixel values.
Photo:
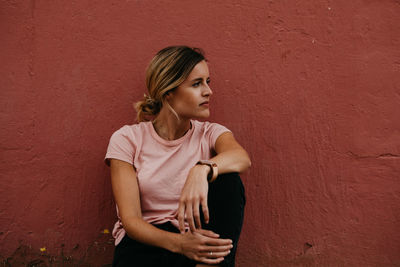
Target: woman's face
(191, 98)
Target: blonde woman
(175, 180)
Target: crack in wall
(380, 156)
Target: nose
(207, 90)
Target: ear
(169, 95)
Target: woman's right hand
(204, 246)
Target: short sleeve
(213, 131)
(121, 146)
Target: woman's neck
(169, 127)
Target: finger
(215, 255)
(210, 261)
(204, 208)
(217, 242)
(215, 249)
(196, 214)
(181, 217)
(207, 233)
(189, 218)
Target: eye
(208, 81)
(196, 84)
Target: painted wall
(310, 88)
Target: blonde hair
(167, 70)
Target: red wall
(310, 88)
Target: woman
(179, 199)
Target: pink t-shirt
(161, 165)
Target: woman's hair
(167, 70)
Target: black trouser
(226, 200)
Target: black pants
(226, 200)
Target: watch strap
(212, 175)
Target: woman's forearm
(142, 231)
(231, 157)
(235, 160)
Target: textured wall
(310, 88)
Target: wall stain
(99, 253)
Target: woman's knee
(226, 199)
(228, 185)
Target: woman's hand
(194, 194)
(204, 246)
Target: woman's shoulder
(208, 127)
(209, 131)
(206, 124)
(133, 129)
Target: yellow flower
(43, 249)
(105, 231)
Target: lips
(205, 103)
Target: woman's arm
(126, 193)
(193, 245)
(231, 157)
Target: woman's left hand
(194, 194)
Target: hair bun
(147, 107)
(149, 100)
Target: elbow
(129, 220)
(246, 163)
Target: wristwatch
(212, 175)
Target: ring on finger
(210, 253)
